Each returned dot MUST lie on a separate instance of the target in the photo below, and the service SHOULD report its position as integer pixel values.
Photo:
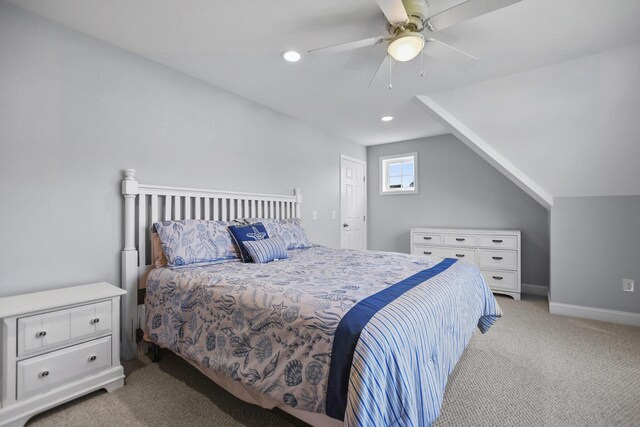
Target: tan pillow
(158, 259)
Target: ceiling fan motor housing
(417, 12)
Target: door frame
(366, 183)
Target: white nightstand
(57, 345)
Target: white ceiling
(237, 45)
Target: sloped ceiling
(553, 92)
(573, 127)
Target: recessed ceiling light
(386, 118)
(291, 56)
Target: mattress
(362, 336)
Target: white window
(399, 174)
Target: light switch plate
(315, 215)
(628, 285)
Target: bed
(334, 337)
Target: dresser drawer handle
(497, 277)
(426, 238)
(460, 239)
(44, 374)
(41, 334)
(497, 258)
(460, 255)
(94, 321)
(427, 253)
(497, 241)
(93, 358)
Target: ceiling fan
(408, 19)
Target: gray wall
(75, 111)
(457, 188)
(595, 243)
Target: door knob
(345, 225)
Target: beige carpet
(531, 368)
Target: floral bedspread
(270, 326)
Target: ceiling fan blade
(465, 11)
(342, 47)
(393, 10)
(384, 61)
(439, 50)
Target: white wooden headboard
(146, 204)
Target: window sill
(398, 193)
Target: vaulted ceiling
(521, 95)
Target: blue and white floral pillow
(196, 242)
(290, 230)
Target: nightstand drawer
(52, 369)
(504, 280)
(48, 330)
(460, 240)
(427, 238)
(498, 259)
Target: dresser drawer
(48, 330)
(501, 280)
(430, 251)
(460, 240)
(498, 259)
(498, 242)
(468, 255)
(52, 369)
(426, 238)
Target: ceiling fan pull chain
(390, 69)
(422, 64)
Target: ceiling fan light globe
(406, 47)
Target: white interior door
(353, 203)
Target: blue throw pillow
(266, 250)
(240, 234)
(290, 230)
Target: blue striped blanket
(367, 337)
(409, 345)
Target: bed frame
(147, 204)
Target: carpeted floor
(531, 368)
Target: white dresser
(495, 252)
(57, 345)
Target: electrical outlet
(333, 214)
(628, 285)
(315, 215)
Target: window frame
(385, 161)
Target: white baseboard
(534, 289)
(614, 316)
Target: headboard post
(129, 267)
(298, 194)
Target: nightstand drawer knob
(95, 320)
(44, 374)
(41, 334)
(93, 358)
(426, 238)
(497, 240)
(497, 258)
(460, 239)
(497, 278)
(427, 253)
(460, 255)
